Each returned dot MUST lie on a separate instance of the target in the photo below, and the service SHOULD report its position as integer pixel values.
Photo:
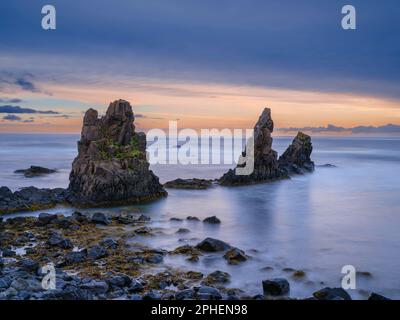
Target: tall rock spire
(111, 166)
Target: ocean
(318, 223)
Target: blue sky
(146, 45)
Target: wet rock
(152, 295)
(30, 198)
(76, 257)
(97, 252)
(35, 171)
(276, 287)
(100, 218)
(28, 265)
(327, 165)
(377, 297)
(182, 230)
(332, 294)
(45, 218)
(266, 167)
(143, 218)
(109, 243)
(298, 274)
(95, 287)
(217, 277)
(212, 245)
(154, 258)
(191, 218)
(194, 275)
(297, 157)
(5, 282)
(187, 294)
(176, 220)
(57, 240)
(135, 286)
(136, 297)
(30, 284)
(235, 256)
(143, 231)
(79, 217)
(190, 184)
(208, 293)
(365, 274)
(111, 166)
(212, 220)
(8, 253)
(119, 281)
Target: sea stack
(111, 166)
(295, 160)
(297, 157)
(266, 166)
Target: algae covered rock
(111, 166)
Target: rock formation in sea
(266, 166)
(295, 160)
(297, 157)
(111, 166)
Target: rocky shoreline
(96, 257)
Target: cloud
(12, 100)
(26, 84)
(11, 117)
(386, 129)
(139, 115)
(20, 110)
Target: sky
(206, 64)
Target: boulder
(217, 277)
(190, 184)
(45, 218)
(377, 297)
(208, 293)
(57, 240)
(212, 245)
(212, 220)
(332, 294)
(297, 157)
(111, 166)
(100, 218)
(35, 171)
(276, 287)
(97, 252)
(235, 256)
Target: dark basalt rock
(377, 297)
(266, 167)
(35, 171)
(332, 294)
(212, 245)
(212, 220)
(29, 198)
(276, 287)
(111, 166)
(191, 184)
(235, 256)
(297, 157)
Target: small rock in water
(100, 218)
(212, 245)
(35, 171)
(120, 281)
(208, 293)
(8, 253)
(195, 184)
(332, 294)
(376, 297)
(276, 287)
(176, 219)
(191, 218)
(45, 218)
(143, 231)
(183, 230)
(212, 220)
(96, 287)
(217, 277)
(235, 256)
(186, 294)
(299, 274)
(109, 243)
